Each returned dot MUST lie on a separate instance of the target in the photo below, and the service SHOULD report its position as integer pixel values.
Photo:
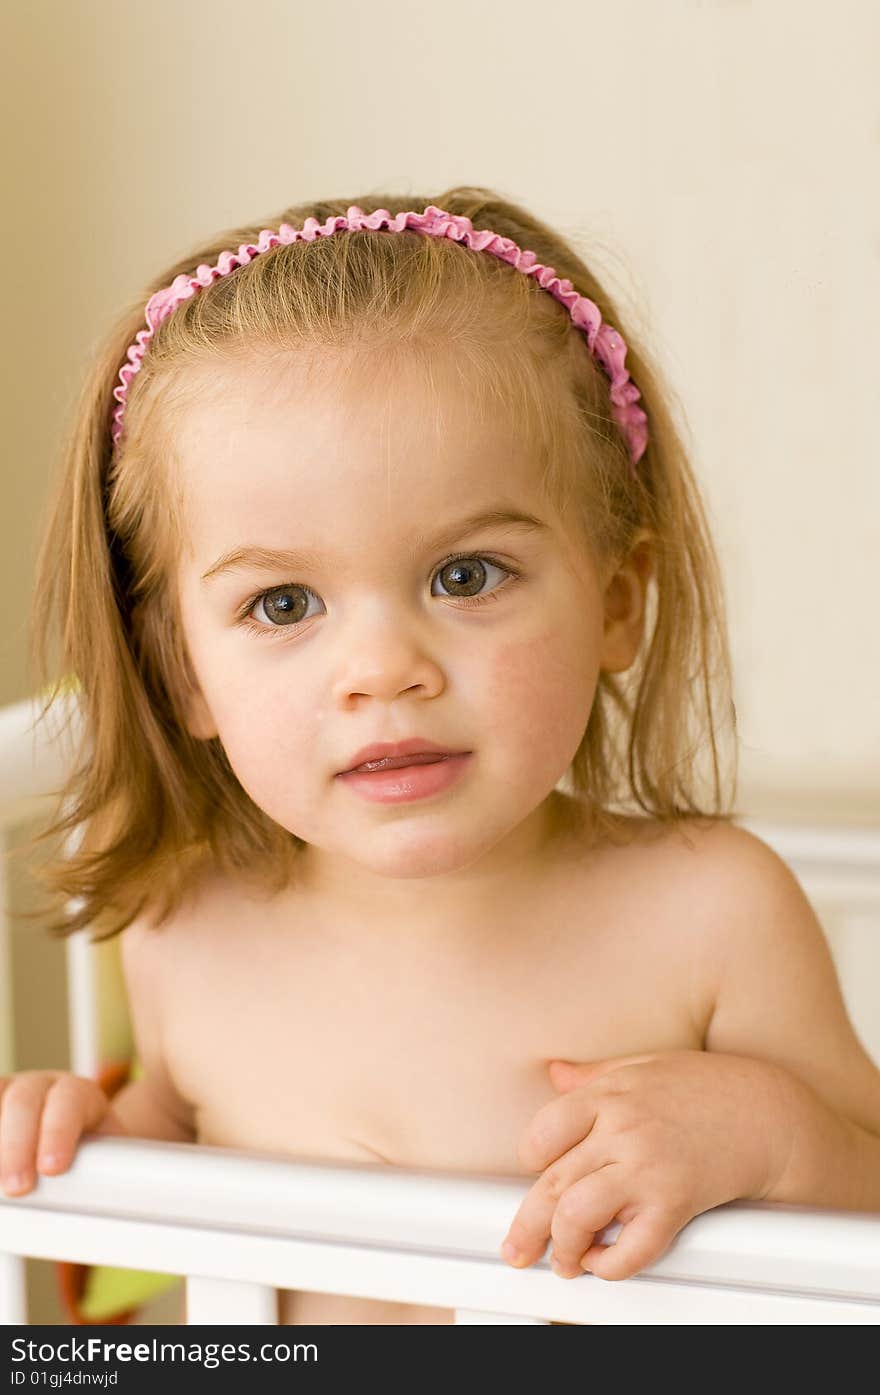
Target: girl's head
(353, 402)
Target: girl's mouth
(398, 762)
(400, 779)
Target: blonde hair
(153, 804)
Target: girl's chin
(400, 853)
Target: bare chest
(289, 1041)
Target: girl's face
(367, 634)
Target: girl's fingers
(22, 1105)
(43, 1115)
(557, 1127)
(530, 1229)
(72, 1107)
(586, 1208)
(640, 1244)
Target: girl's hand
(651, 1141)
(43, 1114)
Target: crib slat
(218, 1302)
(13, 1290)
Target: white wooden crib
(240, 1226)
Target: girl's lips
(398, 762)
(408, 781)
(379, 753)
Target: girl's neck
(343, 891)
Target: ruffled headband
(606, 345)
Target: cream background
(717, 158)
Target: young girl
(399, 639)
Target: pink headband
(606, 346)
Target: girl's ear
(625, 601)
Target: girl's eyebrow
(272, 559)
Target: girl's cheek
(542, 683)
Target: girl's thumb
(566, 1075)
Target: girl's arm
(152, 1106)
(782, 1103)
(778, 1000)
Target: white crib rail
(239, 1225)
(33, 758)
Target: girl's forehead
(387, 396)
(254, 443)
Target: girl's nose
(385, 660)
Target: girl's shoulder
(679, 877)
(700, 836)
(706, 860)
(613, 830)
(154, 926)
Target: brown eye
(285, 605)
(463, 577)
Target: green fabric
(109, 1291)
